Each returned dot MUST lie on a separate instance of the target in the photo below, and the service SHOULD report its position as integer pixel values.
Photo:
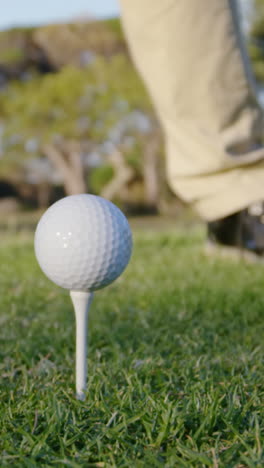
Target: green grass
(176, 371)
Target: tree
(66, 115)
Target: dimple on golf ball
(83, 242)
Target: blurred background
(74, 115)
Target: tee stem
(81, 302)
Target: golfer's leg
(190, 55)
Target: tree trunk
(44, 191)
(123, 175)
(150, 171)
(68, 161)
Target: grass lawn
(176, 370)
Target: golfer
(192, 58)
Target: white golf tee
(81, 301)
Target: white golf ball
(83, 242)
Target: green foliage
(134, 155)
(99, 177)
(176, 371)
(13, 45)
(259, 70)
(51, 106)
(11, 55)
(256, 45)
(92, 96)
(259, 17)
(115, 25)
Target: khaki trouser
(191, 56)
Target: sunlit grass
(176, 374)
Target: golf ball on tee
(83, 242)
